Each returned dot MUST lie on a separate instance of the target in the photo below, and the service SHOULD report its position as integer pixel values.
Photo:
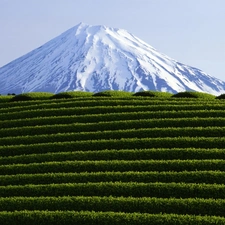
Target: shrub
(5, 98)
(193, 94)
(114, 93)
(222, 96)
(32, 96)
(153, 94)
(72, 94)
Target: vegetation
(110, 93)
(119, 158)
(72, 94)
(43, 217)
(107, 93)
(153, 94)
(193, 94)
(222, 96)
(32, 96)
(5, 98)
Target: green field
(112, 158)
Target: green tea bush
(35, 217)
(5, 98)
(112, 93)
(62, 125)
(116, 204)
(222, 96)
(193, 94)
(32, 96)
(72, 94)
(207, 177)
(122, 154)
(113, 165)
(153, 94)
(115, 134)
(115, 159)
(117, 189)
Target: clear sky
(190, 31)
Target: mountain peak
(96, 58)
(84, 26)
(81, 24)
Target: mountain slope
(96, 58)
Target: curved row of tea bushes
(112, 160)
(207, 177)
(124, 143)
(117, 154)
(109, 93)
(113, 117)
(53, 126)
(36, 217)
(35, 111)
(128, 204)
(115, 134)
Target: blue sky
(190, 31)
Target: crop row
(207, 177)
(80, 102)
(128, 105)
(126, 143)
(90, 101)
(55, 109)
(113, 165)
(66, 125)
(79, 111)
(121, 154)
(116, 134)
(197, 206)
(112, 115)
(26, 217)
(117, 189)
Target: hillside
(112, 160)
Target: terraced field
(103, 160)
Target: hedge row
(103, 218)
(32, 96)
(209, 207)
(120, 154)
(71, 94)
(194, 94)
(117, 117)
(46, 102)
(66, 125)
(126, 143)
(208, 177)
(116, 134)
(109, 93)
(45, 109)
(109, 114)
(113, 165)
(104, 101)
(117, 189)
(4, 99)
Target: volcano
(97, 58)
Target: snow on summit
(96, 58)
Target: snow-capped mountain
(96, 58)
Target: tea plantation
(112, 158)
